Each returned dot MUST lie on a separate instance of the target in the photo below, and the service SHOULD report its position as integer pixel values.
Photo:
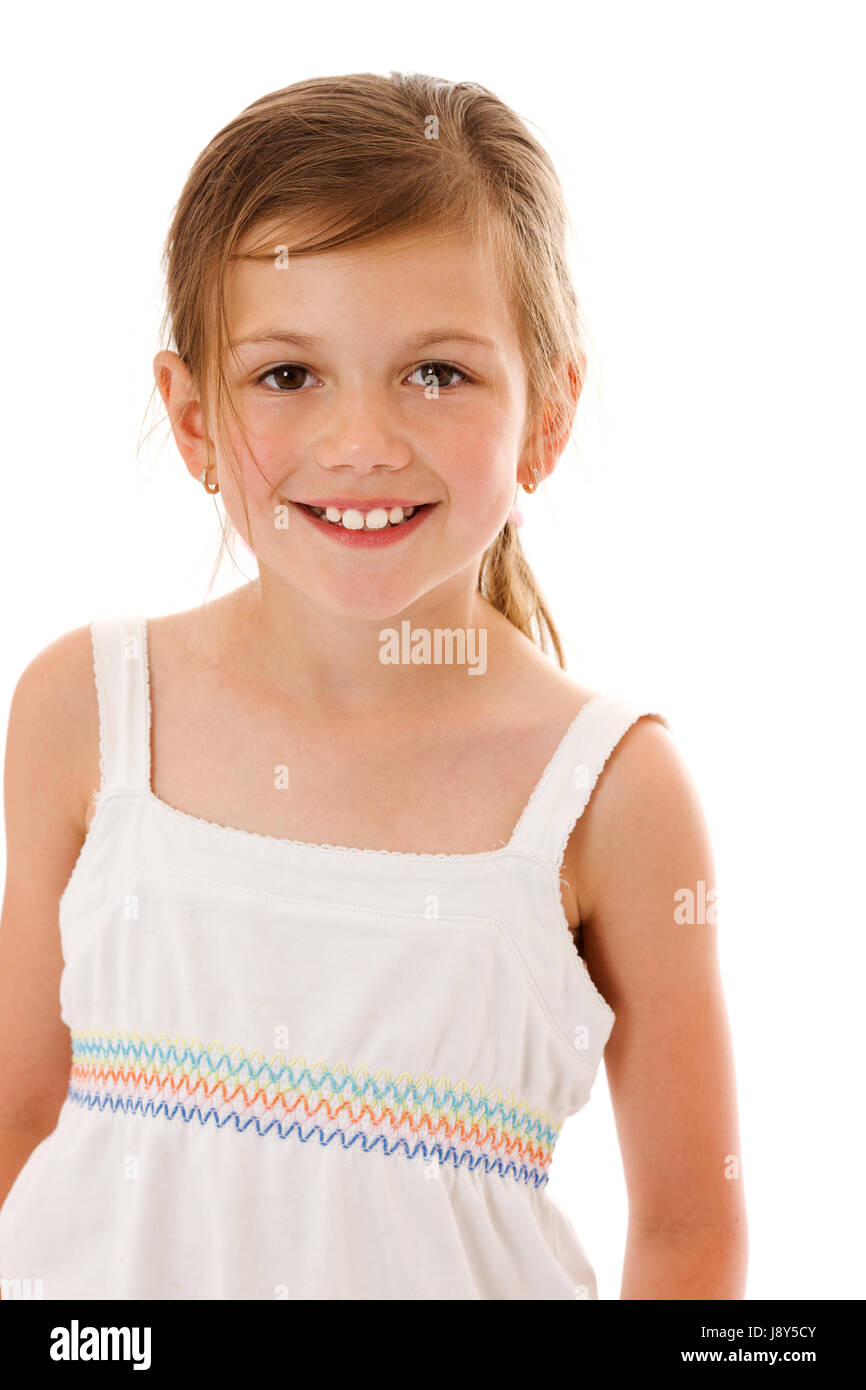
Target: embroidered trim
(442, 1120)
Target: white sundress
(307, 1071)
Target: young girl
(353, 880)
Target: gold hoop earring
(209, 487)
(530, 487)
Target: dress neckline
(312, 846)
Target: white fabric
(443, 986)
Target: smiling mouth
(368, 519)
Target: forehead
(402, 282)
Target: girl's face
(373, 396)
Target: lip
(366, 540)
(362, 504)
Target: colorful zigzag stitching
(441, 1121)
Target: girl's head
(364, 215)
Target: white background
(702, 551)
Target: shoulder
(643, 834)
(541, 697)
(651, 949)
(53, 727)
(59, 677)
(201, 636)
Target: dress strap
(567, 783)
(120, 672)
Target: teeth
(354, 520)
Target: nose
(360, 433)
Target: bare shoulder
(542, 698)
(54, 721)
(63, 670)
(644, 814)
(199, 636)
(646, 878)
(52, 735)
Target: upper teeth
(374, 520)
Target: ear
(542, 451)
(181, 400)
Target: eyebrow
(416, 343)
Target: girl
(344, 930)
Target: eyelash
(428, 362)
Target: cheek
(257, 466)
(480, 477)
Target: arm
(669, 1060)
(53, 709)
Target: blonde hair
(361, 157)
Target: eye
(286, 374)
(429, 375)
(289, 376)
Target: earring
(530, 487)
(209, 487)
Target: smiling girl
(343, 941)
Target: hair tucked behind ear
(359, 158)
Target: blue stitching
(523, 1174)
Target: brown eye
(429, 371)
(288, 375)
